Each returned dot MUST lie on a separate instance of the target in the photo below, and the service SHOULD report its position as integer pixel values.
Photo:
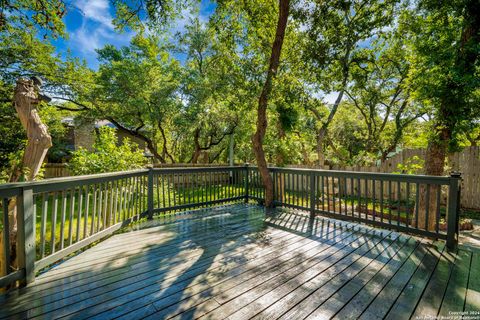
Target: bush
(107, 156)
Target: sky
(89, 26)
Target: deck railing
(58, 217)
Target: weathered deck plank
(367, 294)
(472, 302)
(236, 262)
(432, 297)
(455, 294)
(232, 279)
(410, 295)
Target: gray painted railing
(58, 217)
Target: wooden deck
(236, 262)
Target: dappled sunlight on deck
(242, 261)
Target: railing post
(246, 181)
(312, 194)
(26, 234)
(150, 193)
(453, 210)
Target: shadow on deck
(237, 262)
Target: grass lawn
(70, 227)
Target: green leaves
(107, 156)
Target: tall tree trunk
(434, 165)
(466, 60)
(38, 139)
(197, 149)
(38, 142)
(165, 143)
(257, 139)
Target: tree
(381, 93)
(257, 139)
(136, 90)
(21, 52)
(207, 114)
(336, 34)
(445, 58)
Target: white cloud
(86, 39)
(96, 30)
(96, 10)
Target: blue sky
(89, 25)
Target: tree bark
(262, 123)
(466, 59)
(434, 165)
(38, 142)
(197, 148)
(38, 139)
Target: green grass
(178, 196)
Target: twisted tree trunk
(257, 139)
(38, 142)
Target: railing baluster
(163, 190)
(101, 196)
(417, 196)
(322, 190)
(381, 201)
(359, 197)
(389, 201)
(427, 207)
(328, 193)
(116, 201)
(6, 238)
(398, 202)
(87, 211)
(94, 209)
(110, 207)
(437, 222)
(352, 195)
(80, 209)
(168, 191)
(374, 200)
(407, 214)
(43, 223)
(62, 219)
(70, 216)
(367, 212)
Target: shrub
(107, 156)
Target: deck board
(344, 295)
(237, 262)
(472, 302)
(408, 298)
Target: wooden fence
(55, 170)
(467, 162)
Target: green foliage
(398, 62)
(413, 165)
(107, 156)
(443, 48)
(13, 161)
